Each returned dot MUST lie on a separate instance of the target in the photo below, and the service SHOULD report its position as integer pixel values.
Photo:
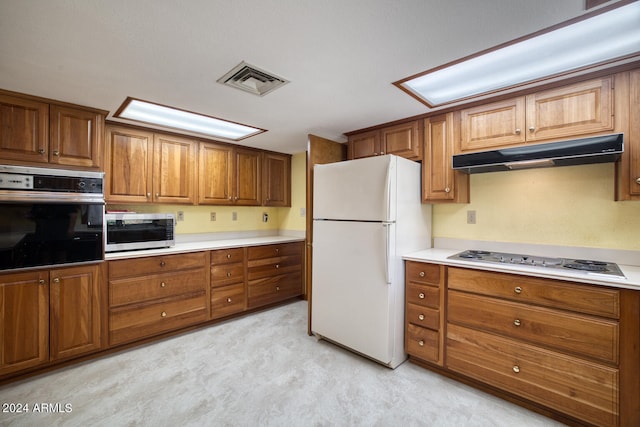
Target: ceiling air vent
(252, 79)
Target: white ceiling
(341, 56)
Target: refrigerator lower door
(352, 302)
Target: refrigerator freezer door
(361, 190)
(352, 304)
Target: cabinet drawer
(426, 296)
(269, 251)
(273, 289)
(227, 274)
(227, 300)
(156, 264)
(584, 335)
(550, 293)
(128, 324)
(423, 316)
(155, 286)
(584, 390)
(422, 272)
(273, 266)
(226, 256)
(422, 343)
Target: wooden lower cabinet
(228, 282)
(274, 273)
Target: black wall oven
(50, 217)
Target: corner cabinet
(146, 167)
(276, 179)
(440, 183)
(402, 140)
(584, 108)
(35, 131)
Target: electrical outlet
(265, 217)
(471, 217)
(234, 216)
(180, 216)
(213, 216)
(303, 212)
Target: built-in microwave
(135, 231)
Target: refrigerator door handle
(387, 255)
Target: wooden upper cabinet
(247, 177)
(276, 180)
(215, 180)
(24, 129)
(403, 140)
(174, 169)
(24, 321)
(583, 108)
(440, 183)
(76, 305)
(75, 137)
(128, 165)
(633, 139)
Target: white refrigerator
(367, 213)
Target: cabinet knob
(277, 250)
(532, 128)
(421, 274)
(41, 151)
(41, 282)
(638, 180)
(230, 198)
(277, 265)
(421, 343)
(516, 369)
(162, 263)
(421, 317)
(235, 198)
(148, 195)
(447, 190)
(163, 314)
(277, 288)
(56, 153)
(518, 131)
(228, 256)
(517, 290)
(157, 195)
(56, 280)
(228, 274)
(421, 295)
(228, 299)
(517, 322)
(162, 285)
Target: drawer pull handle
(518, 290)
(421, 343)
(228, 274)
(421, 274)
(421, 295)
(228, 256)
(228, 299)
(516, 369)
(517, 322)
(163, 314)
(421, 317)
(162, 285)
(162, 263)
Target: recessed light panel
(161, 115)
(600, 39)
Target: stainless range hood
(599, 149)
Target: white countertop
(207, 245)
(440, 256)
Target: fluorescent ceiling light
(156, 114)
(600, 39)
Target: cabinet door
(173, 169)
(493, 125)
(24, 129)
(128, 160)
(24, 321)
(76, 304)
(579, 109)
(633, 140)
(248, 164)
(276, 180)
(216, 174)
(366, 144)
(75, 137)
(402, 140)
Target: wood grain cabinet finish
(403, 140)
(228, 282)
(152, 295)
(558, 346)
(628, 122)
(580, 109)
(276, 179)
(147, 167)
(440, 183)
(424, 297)
(35, 131)
(274, 273)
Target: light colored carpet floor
(259, 370)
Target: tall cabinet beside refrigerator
(367, 213)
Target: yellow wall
(197, 218)
(568, 206)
